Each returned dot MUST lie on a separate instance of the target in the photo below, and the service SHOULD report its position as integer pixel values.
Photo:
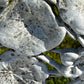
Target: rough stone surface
(77, 81)
(72, 13)
(3, 3)
(31, 28)
(73, 57)
(16, 69)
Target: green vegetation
(57, 80)
(66, 43)
(2, 49)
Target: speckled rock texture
(16, 69)
(3, 3)
(30, 28)
(72, 13)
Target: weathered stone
(73, 57)
(3, 3)
(31, 28)
(72, 13)
(16, 69)
(77, 81)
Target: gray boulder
(16, 69)
(72, 13)
(30, 28)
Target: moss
(49, 81)
(56, 80)
(67, 42)
(55, 10)
(2, 49)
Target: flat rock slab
(31, 28)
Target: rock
(52, 1)
(76, 81)
(31, 28)
(72, 13)
(16, 69)
(3, 3)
